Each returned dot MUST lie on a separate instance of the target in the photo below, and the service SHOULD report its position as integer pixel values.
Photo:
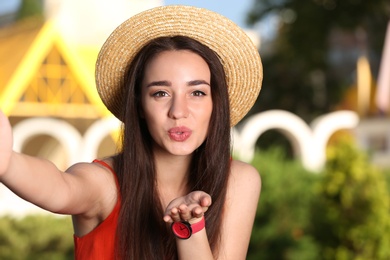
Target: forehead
(179, 61)
(174, 55)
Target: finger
(185, 212)
(175, 215)
(197, 212)
(205, 201)
(167, 219)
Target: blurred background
(320, 57)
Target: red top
(99, 243)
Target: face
(176, 101)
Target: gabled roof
(15, 40)
(27, 74)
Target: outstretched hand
(6, 141)
(188, 208)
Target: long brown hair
(141, 232)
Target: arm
(41, 183)
(241, 205)
(240, 209)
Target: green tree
(304, 72)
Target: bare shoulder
(244, 175)
(244, 185)
(93, 170)
(97, 197)
(96, 183)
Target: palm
(193, 205)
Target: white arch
(95, 135)
(293, 127)
(308, 143)
(325, 126)
(66, 134)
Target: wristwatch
(184, 230)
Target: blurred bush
(43, 237)
(340, 213)
(350, 219)
(281, 226)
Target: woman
(178, 77)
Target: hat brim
(237, 53)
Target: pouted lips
(179, 134)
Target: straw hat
(237, 53)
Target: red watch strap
(196, 227)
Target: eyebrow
(159, 83)
(197, 82)
(168, 83)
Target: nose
(179, 107)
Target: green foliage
(41, 237)
(340, 213)
(351, 217)
(280, 228)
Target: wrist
(184, 230)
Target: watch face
(181, 229)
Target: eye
(198, 93)
(160, 93)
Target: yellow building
(42, 76)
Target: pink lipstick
(179, 134)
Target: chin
(181, 151)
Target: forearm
(33, 179)
(196, 247)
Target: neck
(172, 175)
(172, 171)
